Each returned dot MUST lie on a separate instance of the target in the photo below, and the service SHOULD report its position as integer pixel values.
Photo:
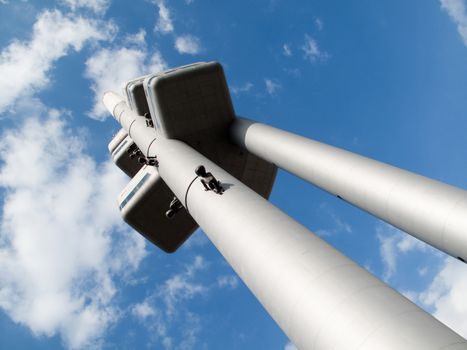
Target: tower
(320, 298)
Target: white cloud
(184, 44)
(287, 51)
(109, 68)
(456, 9)
(422, 271)
(164, 23)
(319, 24)
(311, 50)
(394, 242)
(24, 65)
(271, 86)
(411, 295)
(447, 295)
(62, 240)
(156, 63)
(295, 72)
(388, 252)
(182, 287)
(166, 311)
(227, 281)
(290, 346)
(98, 6)
(242, 89)
(143, 310)
(338, 226)
(187, 44)
(407, 243)
(138, 39)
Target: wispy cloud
(182, 286)
(98, 6)
(167, 307)
(290, 346)
(456, 9)
(388, 251)
(227, 281)
(311, 50)
(137, 39)
(393, 243)
(338, 225)
(272, 87)
(444, 296)
(188, 44)
(164, 23)
(185, 43)
(447, 295)
(109, 68)
(286, 50)
(24, 66)
(294, 72)
(319, 24)
(237, 90)
(407, 243)
(143, 310)
(422, 271)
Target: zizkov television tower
(194, 163)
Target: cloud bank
(456, 9)
(62, 242)
(25, 65)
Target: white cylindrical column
(319, 297)
(132, 123)
(427, 209)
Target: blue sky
(385, 79)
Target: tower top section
(189, 100)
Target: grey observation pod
(133, 91)
(120, 148)
(143, 204)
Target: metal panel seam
(149, 146)
(129, 128)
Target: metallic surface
(145, 212)
(430, 210)
(122, 159)
(133, 91)
(143, 203)
(189, 101)
(116, 140)
(319, 297)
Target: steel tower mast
(320, 298)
